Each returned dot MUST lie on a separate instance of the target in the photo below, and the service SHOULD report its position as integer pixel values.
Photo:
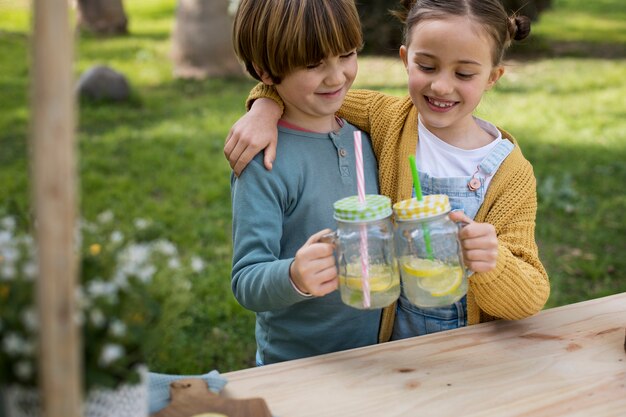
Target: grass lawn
(159, 156)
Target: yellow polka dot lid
(431, 205)
(349, 209)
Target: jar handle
(466, 270)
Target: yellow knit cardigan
(518, 287)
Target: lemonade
(432, 283)
(384, 285)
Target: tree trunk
(201, 41)
(102, 17)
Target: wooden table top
(565, 361)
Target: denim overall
(416, 321)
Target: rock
(103, 83)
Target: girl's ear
(495, 75)
(404, 56)
(263, 75)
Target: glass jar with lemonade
(365, 252)
(429, 252)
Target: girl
(453, 53)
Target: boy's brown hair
(278, 36)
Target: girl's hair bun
(403, 13)
(519, 27)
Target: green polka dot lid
(349, 209)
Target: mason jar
(429, 252)
(365, 252)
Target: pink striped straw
(360, 182)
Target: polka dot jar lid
(431, 205)
(349, 209)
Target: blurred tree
(201, 40)
(383, 32)
(102, 17)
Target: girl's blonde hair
(278, 36)
(490, 14)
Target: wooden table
(565, 361)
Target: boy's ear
(263, 75)
(404, 57)
(495, 75)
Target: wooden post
(54, 196)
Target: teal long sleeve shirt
(274, 213)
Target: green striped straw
(418, 194)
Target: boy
(307, 50)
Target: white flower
(5, 237)
(87, 226)
(13, 344)
(82, 300)
(97, 318)
(10, 254)
(8, 223)
(165, 247)
(118, 329)
(110, 353)
(141, 223)
(197, 264)
(120, 279)
(117, 237)
(30, 270)
(173, 263)
(7, 272)
(98, 288)
(146, 273)
(23, 370)
(30, 319)
(105, 216)
(28, 241)
(135, 255)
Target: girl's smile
(449, 64)
(439, 105)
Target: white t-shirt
(439, 159)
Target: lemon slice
(423, 268)
(445, 285)
(380, 278)
(377, 283)
(435, 277)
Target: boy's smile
(313, 94)
(449, 63)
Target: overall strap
(494, 159)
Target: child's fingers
(229, 144)
(270, 155)
(319, 276)
(480, 266)
(328, 286)
(316, 237)
(479, 255)
(459, 216)
(231, 150)
(485, 241)
(480, 260)
(478, 230)
(244, 158)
